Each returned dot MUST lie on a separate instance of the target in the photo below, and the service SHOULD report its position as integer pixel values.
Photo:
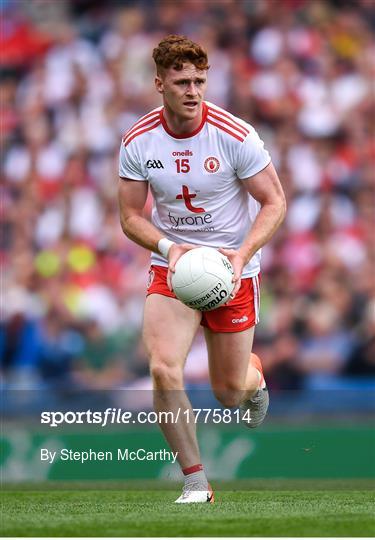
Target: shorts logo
(212, 164)
(151, 276)
(154, 164)
(239, 321)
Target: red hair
(174, 51)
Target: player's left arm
(265, 187)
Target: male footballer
(213, 184)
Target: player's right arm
(132, 196)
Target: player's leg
(232, 376)
(169, 328)
(236, 374)
(254, 405)
(168, 331)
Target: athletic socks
(262, 382)
(195, 478)
(255, 362)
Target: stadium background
(75, 75)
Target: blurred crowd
(76, 74)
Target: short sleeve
(129, 165)
(252, 157)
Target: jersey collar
(185, 135)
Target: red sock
(255, 362)
(193, 469)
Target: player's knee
(228, 397)
(165, 375)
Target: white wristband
(164, 245)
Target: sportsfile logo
(154, 164)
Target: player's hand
(175, 252)
(238, 262)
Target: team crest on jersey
(151, 276)
(212, 164)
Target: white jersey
(195, 179)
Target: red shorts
(238, 315)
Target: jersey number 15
(182, 165)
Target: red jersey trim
(223, 128)
(185, 135)
(134, 135)
(227, 115)
(140, 125)
(230, 124)
(155, 112)
(151, 113)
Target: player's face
(183, 91)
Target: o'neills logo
(211, 299)
(212, 164)
(184, 153)
(215, 301)
(239, 321)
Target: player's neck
(180, 125)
